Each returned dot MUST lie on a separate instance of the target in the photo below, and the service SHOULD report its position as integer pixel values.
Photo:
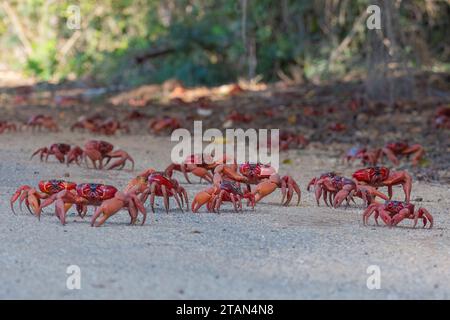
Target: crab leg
(166, 198)
(152, 196)
(233, 199)
(402, 214)
(219, 201)
(425, 215)
(177, 199)
(184, 193)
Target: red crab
(289, 140)
(6, 126)
(32, 197)
(110, 126)
(263, 176)
(98, 150)
(98, 124)
(337, 127)
(335, 189)
(197, 164)
(442, 118)
(214, 196)
(315, 179)
(367, 157)
(42, 121)
(139, 183)
(383, 177)
(393, 212)
(394, 149)
(135, 115)
(162, 186)
(239, 117)
(83, 195)
(120, 200)
(164, 124)
(59, 150)
(88, 123)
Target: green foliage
(210, 41)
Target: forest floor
(272, 252)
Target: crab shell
(256, 170)
(162, 180)
(230, 188)
(96, 191)
(397, 147)
(54, 186)
(396, 206)
(339, 182)
(64, 148)
(101, 146)
(371, 174)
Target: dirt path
(273, 252)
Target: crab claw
(201, 198)
(292, 187)
(119, 163)
(22, 191)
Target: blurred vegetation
(208, 41)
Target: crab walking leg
(152, 196)
(423, 214)
(140, 206)
(405, 180)
(184, 194)
(283, 191)
(165, 197)
(94, 156)
(177, 199)
(296, 188)
(290, 193)
(183, 170)
(132, 211)
(203, 174)
(111, 206)
(42, 151)
(318, 193)
(368, 212)
(326, 196)
(60, 211)
(400, 216)
(58, 155)
(211, 203)
(238, 202)
(123, 157)
(233, 200)
(219, 201)
(342, 195)
(391, 156)
(180, 194)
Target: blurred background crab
(41, 121)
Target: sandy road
(297, 252)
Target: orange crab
(214, 196)
(33, 197)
